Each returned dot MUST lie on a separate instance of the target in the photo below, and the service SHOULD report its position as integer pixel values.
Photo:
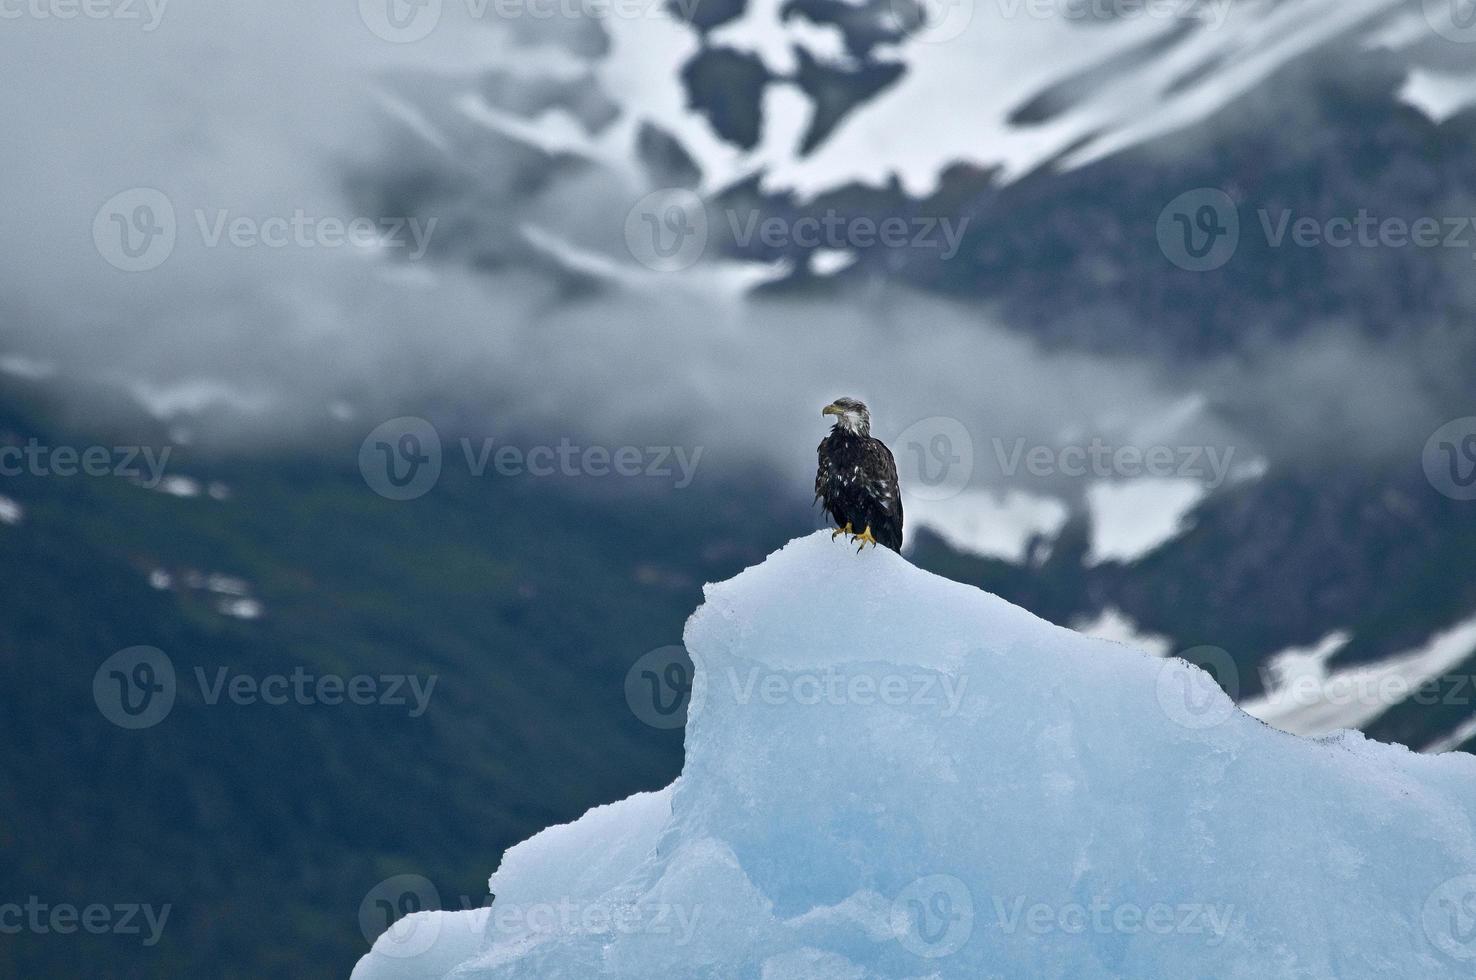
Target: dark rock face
(727, 87)
(837, 91)
(666, 162)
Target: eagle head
(850, 415)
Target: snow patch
(166, 401)
(179, 486)
(1115, 626)
(1437, 94)
(1306, 699)
(10, 512)
(1463, 734)
(723, 279)
(985, 523)
(829, 261)
(1131, 518)
(760, 31)
(240, 608)
(233, 594)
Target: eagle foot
(841, 530)
(864, 537)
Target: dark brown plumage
(857, 478)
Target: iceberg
(892, 775)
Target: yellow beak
(831, 410)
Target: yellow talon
(841, 530)
(864, 537)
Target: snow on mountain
(1112, 624)
(1463, 733)
(889, 774)
(1131, 518)
(1043, 81)
(1439, 95)
(1308, 699)
(982, 522)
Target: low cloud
(261, 112)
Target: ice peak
(889, 774)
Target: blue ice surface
(893, 775)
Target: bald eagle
(857, 479)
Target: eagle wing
(822, 472)
(882, 487)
